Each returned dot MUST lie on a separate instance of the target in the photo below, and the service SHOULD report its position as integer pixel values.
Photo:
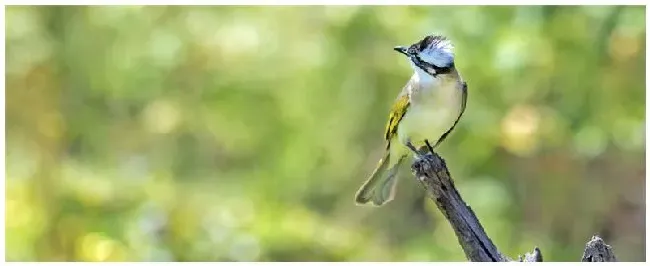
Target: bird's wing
(397, 112)
(462, 110)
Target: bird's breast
(432, 111)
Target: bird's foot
(415, 151)
(426, 141)
(427, 148)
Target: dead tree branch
(432, 172)
(597, 251)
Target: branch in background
(432, 172)
(597, 251)
(535, 256)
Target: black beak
(401, 49)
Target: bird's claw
(423, 150)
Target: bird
(426, 111)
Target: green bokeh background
(242, 133)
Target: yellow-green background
(242, 133)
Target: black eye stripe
(424, 65)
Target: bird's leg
(412, 148)
(426, 141)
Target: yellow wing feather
(379, 188)
(396, 114)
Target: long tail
(380, 187)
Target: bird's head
(434, 55)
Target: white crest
(439, 52)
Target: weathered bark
(432, 172)
(597, 251)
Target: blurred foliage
(242, 133)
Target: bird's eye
(412, 50)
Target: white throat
(421, 76)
